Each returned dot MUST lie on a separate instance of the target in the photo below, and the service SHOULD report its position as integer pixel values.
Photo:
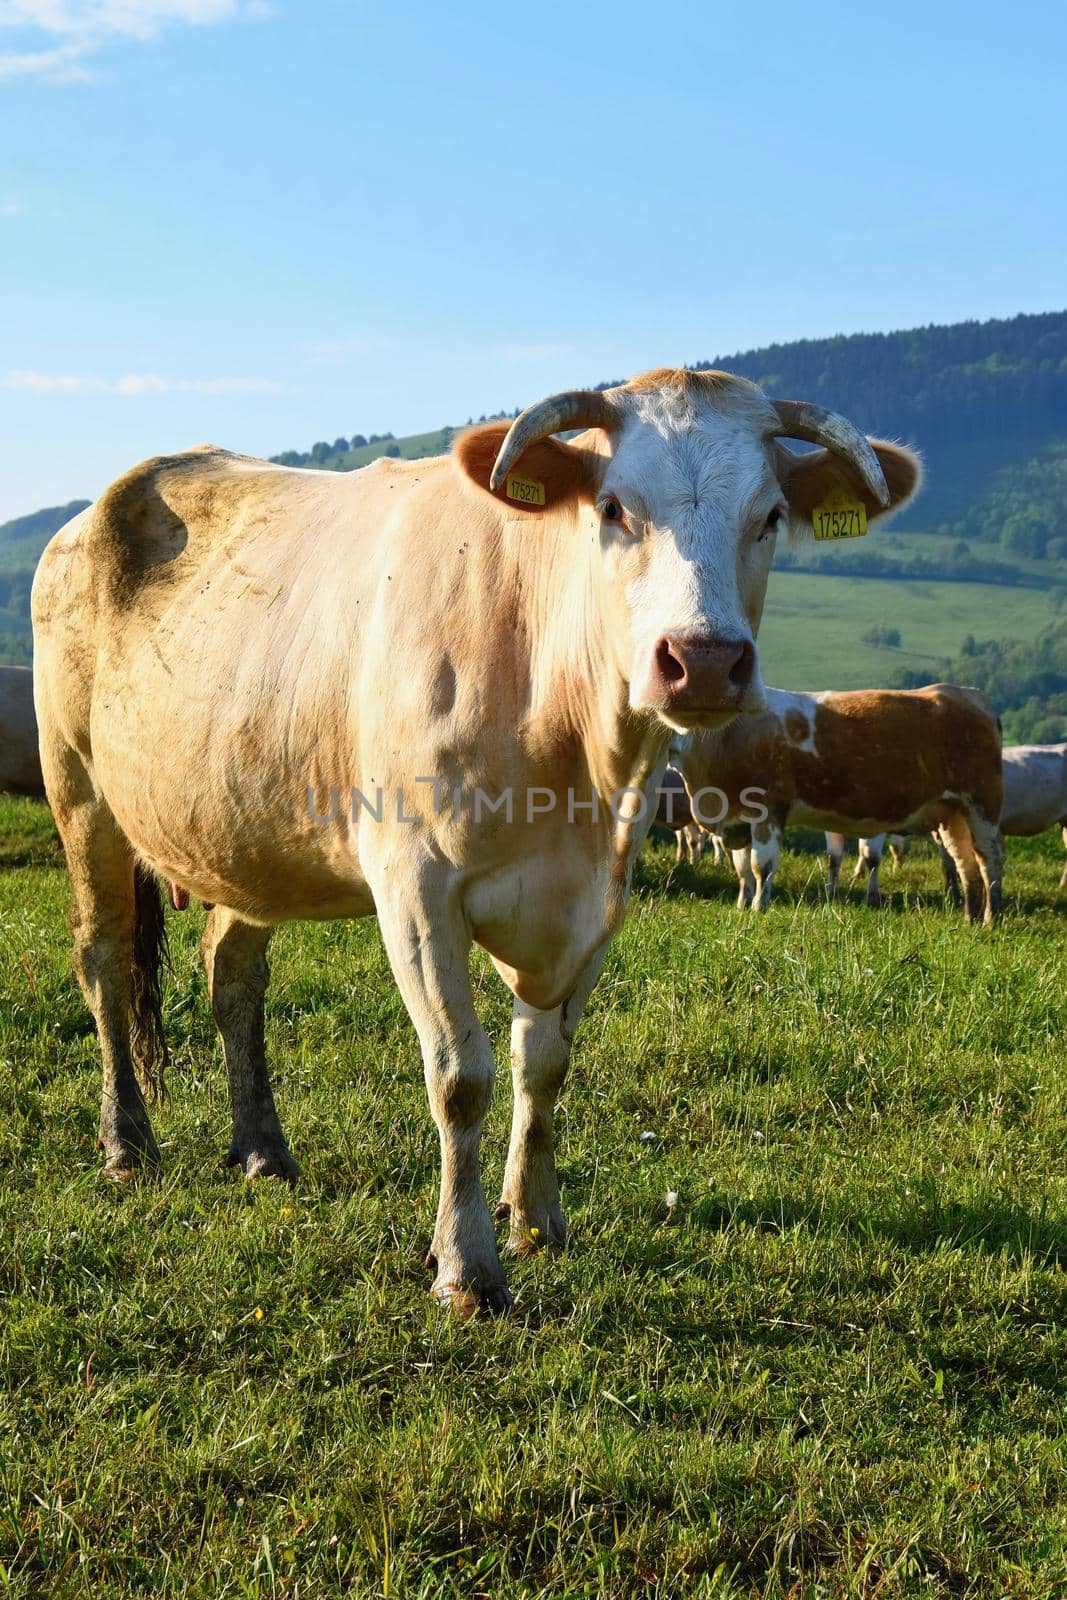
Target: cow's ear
(819, 478)
(550, 474)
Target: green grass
(812, 632)
(836, 1368)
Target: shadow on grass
(995, 1229)
(30, 849)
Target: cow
(224, 647)
(673, 812)
(1035, 798)
(869, 854)
(691, 838)
(1035, 792)
(861, 763)
(20, 763)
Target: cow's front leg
(835, 851)
(428, 950)
(766, 854)
(540, 1050)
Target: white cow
(486, 655)
(1035, 798)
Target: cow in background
(673, 811)
(20, 761)
(860, 763)
(869, 856)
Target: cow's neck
(580, 717)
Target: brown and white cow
(20, 763)
(225, 647)
(862, 763)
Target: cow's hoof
(126, 1165)
(548, 1232)
(463, 1301)
(134, 1157)
(264, 1161)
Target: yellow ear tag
(527, 490)
(839, 517)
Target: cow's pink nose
(698, 672)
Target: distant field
(834, 1369)
(811, 637)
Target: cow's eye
(772, 522)
(612, 511)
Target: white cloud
(56, 36)
(133, 384)
(331, 351)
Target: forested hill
(985, 402)
(933, 386)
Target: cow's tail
(150, 951)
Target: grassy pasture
(836, 1366)
(812, 632)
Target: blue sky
(268, 223)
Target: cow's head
(683, 485)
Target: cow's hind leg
(540, 1050)
(1063, 879)
(989, 848)
(117, 923)
(955, 838)
(948, 869)
(235, 960)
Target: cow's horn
(580, 408)
(801, 420)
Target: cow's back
(198, 635)
(889, 760)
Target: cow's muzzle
(701, 677)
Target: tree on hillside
(1025, 681)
